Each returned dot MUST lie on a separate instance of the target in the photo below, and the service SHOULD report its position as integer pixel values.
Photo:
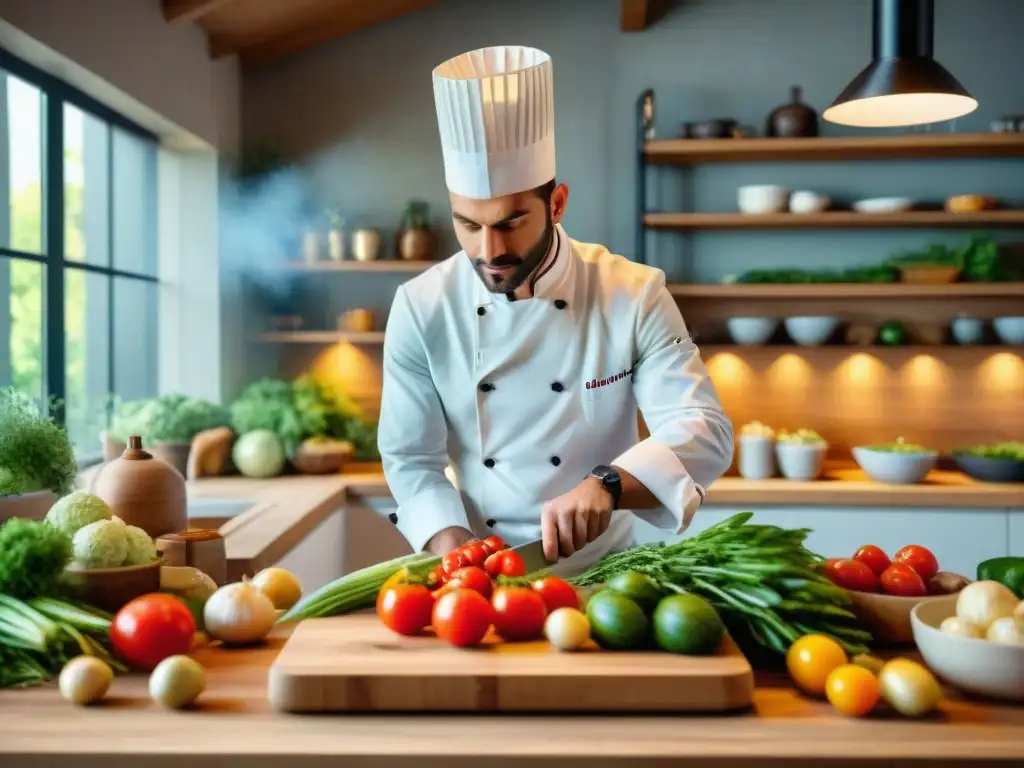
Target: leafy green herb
(1011, 450)
(35, 453)
(32, 558)
(170, 418)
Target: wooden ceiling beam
(184, 11)
(335, 20)
(638, 15)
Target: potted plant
(416, 241)
(37, 462)
(168, 424)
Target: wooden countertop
(233, 722)
(288, 508)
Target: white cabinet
(959, 538)
(1016, 543)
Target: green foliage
(170, 418)
(32, 558)
(296, 410)
(416, 215)
(35, 453)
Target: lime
(893, 333)
(637, 587)
(687, 624)
(616, 622)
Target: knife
(532, 554)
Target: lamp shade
(903, 85)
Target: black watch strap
(611, 481)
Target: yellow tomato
(852, 690)
(811, 659)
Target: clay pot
(175, 454)
(143, 490)
(416, 244)
(112, 447)
(112, 588)
(33, 506)
(794, 119)
(200, 549)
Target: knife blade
(532, 554)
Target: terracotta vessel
(200, 549)
(143, 490)
(33, 506)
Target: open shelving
(847, 290)
(384, 265)
(323, 337)
(834, 219)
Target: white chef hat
(496, 115)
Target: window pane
(21, 164)
(21, 326)
(134, 203)
(135, 338)
(87, 346)
(86, 187)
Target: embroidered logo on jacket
(598, 383)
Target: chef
(514, 369)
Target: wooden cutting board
(354, 664)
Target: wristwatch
(611, 481)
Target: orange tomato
(852, 690)
(811, 659)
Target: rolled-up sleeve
(412, 434)
(691, 438)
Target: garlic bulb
(238, 614)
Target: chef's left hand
(575, 519)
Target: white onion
(567, 629)
(1006, 631)
(281, 586)
(983, 602)
(176, 682)
(954, 625)
(238, 614)
(85, 679)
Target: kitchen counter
(288, 508)
(233, 722)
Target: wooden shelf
(961, 351)
(323, 337)
(387, 265)
(846, 290)
(834, 219)
(908, 146)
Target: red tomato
(150, 628)
(902, 580)
(462, 617)
(873, 557)
(439, 577)
(556, 593)
(852, 574)
(921, 560)
(405, 608)
(475, 553)
(512, 564)
(473, 578)
(493, 544)
(519, 613)
(454, 560)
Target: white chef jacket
(520, 400)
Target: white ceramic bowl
(810, 331)
(800, 461)
(967, 330)
(893, 467)
(1010, 330)
(751, 330)
(883, 205)
(762, 198)
(887, 617)
(974, 666)
(756, 457)
(803, 201)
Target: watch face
(607, 474)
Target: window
(78, 251)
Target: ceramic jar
(792, 120)
(757, 457)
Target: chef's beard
(527, 264)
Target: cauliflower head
(141, 548)
(103, 544)
(77, 510)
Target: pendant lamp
(903, 85)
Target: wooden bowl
(33, 506)
(322, 460)
(111, 588)
(929, 275)
(887, 617)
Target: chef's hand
(444, 541)
(575, 519)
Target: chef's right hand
(443, 542)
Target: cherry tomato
(852, 574)
(454, 560)
(556, 593)
(150, 628)
(504, 563)
(405, 608)
(519, 613)
(494, 544)
(462, 617)
(811, 659)
(473, 578)
(873, 557)
(904, 581)
(440, 578)
(852, 690)
(920, 559)
(475, 553)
